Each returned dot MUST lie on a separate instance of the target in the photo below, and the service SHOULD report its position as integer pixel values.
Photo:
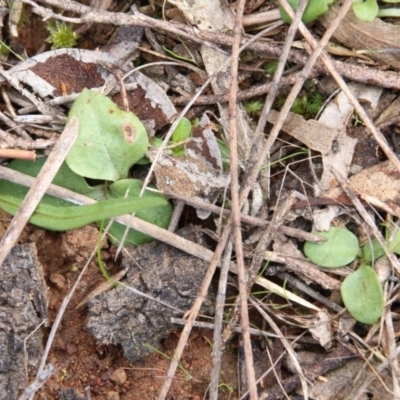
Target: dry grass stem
(218, 321)
(235, 217)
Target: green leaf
(225, 154)
(182, 132)
(59, 215)
(362, 295)
(159, 215)
(64, 177)
(340, 248)
(314, 9)
(109, 140)
(394, 245)
(365, 11)
(372, 251)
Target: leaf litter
(332, 140)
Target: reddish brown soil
(81, 362)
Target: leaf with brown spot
(109, 140)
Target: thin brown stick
(293, 232)
(235, 217)
(218, 320)
(261, 17)
(38, 189)
(254, 91)
(268, 105)
(20, 154)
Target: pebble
(119, 376)
(113, 395)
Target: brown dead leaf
(375, 35)
(389, 113)
(313, 134)
(381, 181)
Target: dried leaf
(381, 181)
(376, 35)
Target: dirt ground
(82, 363)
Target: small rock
(71, 348)
(58, 280)
(119, 376)
(113, 395)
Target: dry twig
(38, 189)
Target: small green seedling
(373, 250)
(308, 103)
(314, 9)
(5, 49)
(253, 107)
(362, 295)
(62, 35)
(225, 153)
(308, 106)
(181, 133)
(192, 59)
(271, 67)
(361, 290)
(339, 249)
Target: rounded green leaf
(366, 11)
(160, 215)
(314, 9)
(362, 295)
(340, 248)
(109, 140)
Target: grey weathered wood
(23, 306)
